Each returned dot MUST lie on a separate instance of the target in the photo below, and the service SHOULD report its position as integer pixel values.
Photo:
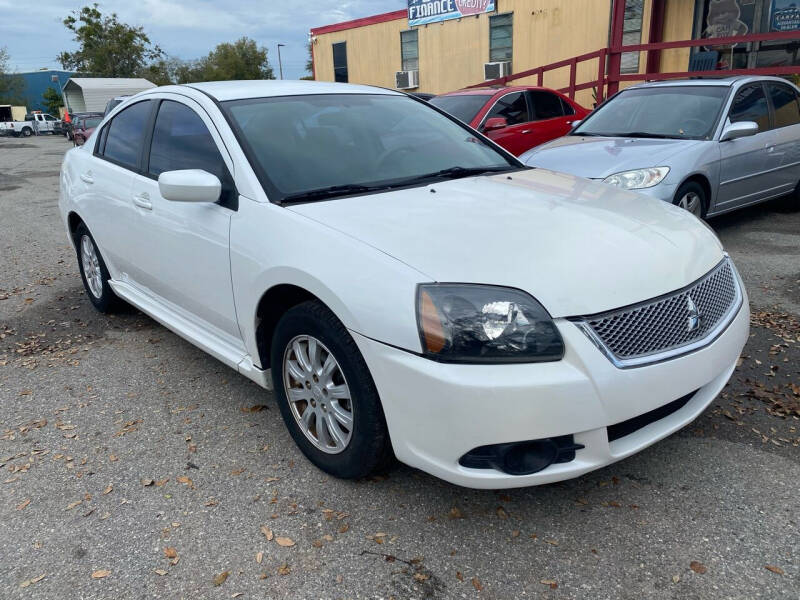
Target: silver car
(708, 145)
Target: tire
(692, 197)
(98, 289)
(26, 132)
(367, 446)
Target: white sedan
(407, 286)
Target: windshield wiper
(332, 192)
(459, 172)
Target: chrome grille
(683, 318)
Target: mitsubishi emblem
(694, 319)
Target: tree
(310, 61)
(11, 86)
(242, 59)
(52, 100)
(106, 47)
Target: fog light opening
(522, 458)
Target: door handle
(526, 131)
(87, 177)
(143, 201)
(770, 149)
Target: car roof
(240, 90)
(711, 81)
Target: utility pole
(280, 64)
(55, 79)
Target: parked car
(83, 128)
(518, 118)
(422, 95)
(404, 284)
(44, 122)
(69, 127)
(114, 102)
(707, 145)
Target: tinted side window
(182, 141)
(750, 104)
(511, 106)
(126, 131)
(546, 105)
(567, 107)
(784, 102)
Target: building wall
(452, 53)
(36, 82)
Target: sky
(34, 34)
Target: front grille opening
(620, 430)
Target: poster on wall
(422, 12)
(784, 15)
(728, 18)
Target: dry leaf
(23, 504)
(72, 505)
(28, 582)
(184, 480)
(421, 576)
(676, 578)
(455, 513)
(253, 409)
(220, 579)
(100, 573)
(147, 482)
(344, 528)
(108, 490)
(267, 532)
(259, 557)
(459, 576)
(774, 569)
(285, 542)
(501, 512)
(284, 569)
(476, 584)
(697, 567)
(170, 552)
(551, 541)
(161, 572)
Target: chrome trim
(709, 338)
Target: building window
(409, 50)
(632, 34)
(340, 62)
(500, 37)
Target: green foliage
(52, 101)
(242, 59)
(11, 86)
(310, 61)
(106, 47)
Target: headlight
(481, 323)
(638, 179)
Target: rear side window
(567, 107)
(124, 135)
(546, 105)
(511, 106)
(784, 103)
(181, 140)
(750, 104)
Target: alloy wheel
(318, 394)
(91, 267)
(691, 201)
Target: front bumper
(438, 412)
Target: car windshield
(682, 112)
(462, 106)
(335, 144)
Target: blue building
(36, 82)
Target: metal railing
(609, 77)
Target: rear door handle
(87, 177)
(143, 201)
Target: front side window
(750, 104)
(546, 105)
(512, 107)
(340, 62)
(409, 50)
(681, 112)
(500, 37)
(784, 103)
(125, 135)
(181, 140)
(312, 143)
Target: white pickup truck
(44, 122)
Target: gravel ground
(133, 465)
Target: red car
(83, 127)
(518, 118)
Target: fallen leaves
(72, 505)
(476, 583)
(161, 572)
(108, 490)
(254, 409)
(220, 579)
(259, 557)
(774, 569)
(23, 504)
(551, 582)
(455, 513)
(33, 580)
(101, 573)
(170, 552)
(267, 533)
(697, 567)
(284, 569)
(285, 542)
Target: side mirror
(494, 124)
(738, 130)
(190, 185)
(574, 124)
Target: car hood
(578, 246)
(599, 157)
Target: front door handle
(770, 149)
(143, 201)
(526, 131)
(87, 177)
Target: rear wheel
(27, 132)
(94, 272)
(326, 394)
(692, 197)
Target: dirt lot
(133, 465)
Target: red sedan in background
(83, 127)
(517, 118)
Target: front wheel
(692, 197)
(326, 394)
(94, 272)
